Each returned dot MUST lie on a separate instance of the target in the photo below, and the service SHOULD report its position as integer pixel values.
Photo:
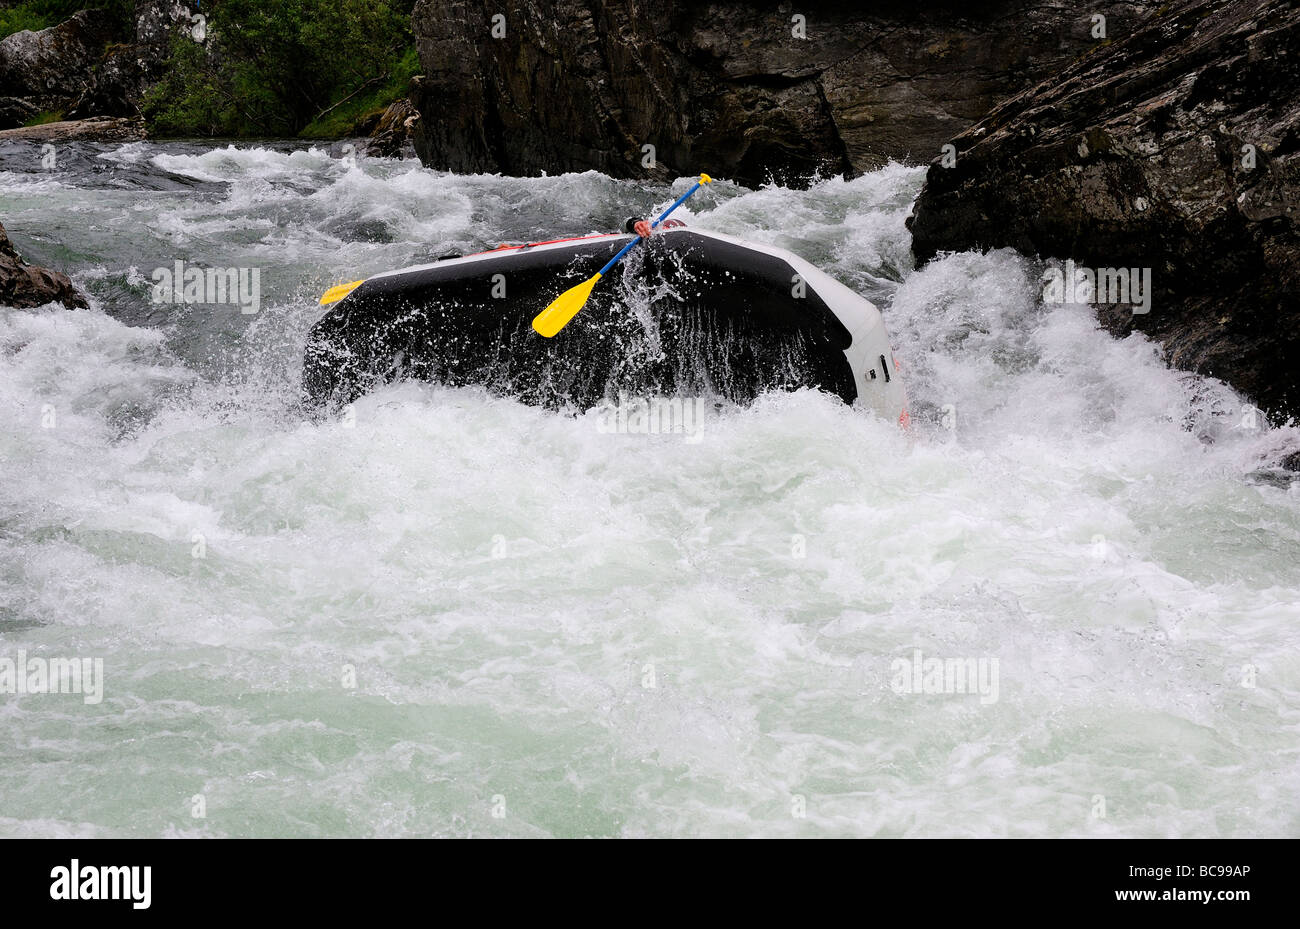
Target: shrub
(285, 67)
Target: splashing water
(453, 614)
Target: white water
(598, 634)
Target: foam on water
(603, 634)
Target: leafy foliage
(285, 67)
(370, 103)
(41, 14)
(40, 119)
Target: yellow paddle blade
(335, 294)
(563, 308)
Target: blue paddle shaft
(662, 216)
(680, 200)
(619, 257)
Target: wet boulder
(25, 285)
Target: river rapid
(449, 614)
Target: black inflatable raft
(688, 312)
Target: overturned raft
(688, 313)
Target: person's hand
(642, 228)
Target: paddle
(566, 306)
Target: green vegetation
(368, 103)
(285, 68)
(41, 14)
(18, 18)
(41, 119)
(315, 68)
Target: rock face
(24, 285)
(727, 87)
(50, 70)
(1175, 149)
(97, 63)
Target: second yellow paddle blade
(335, 294)
(563, 308)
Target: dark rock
(391, 135)
(51, 69)
(116, 86)
(15, 111)
(24, 285)
(726, 87)
(1137, 156)
(99, 62)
